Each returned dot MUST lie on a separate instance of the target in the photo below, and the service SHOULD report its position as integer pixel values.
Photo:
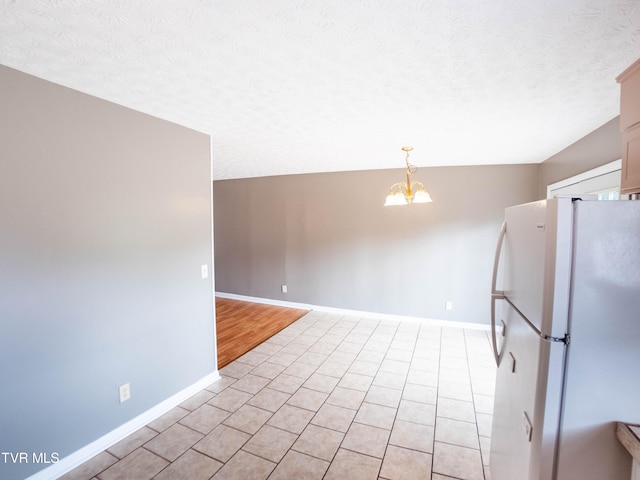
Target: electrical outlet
(448, 305)
(284, 289)
(125, 392)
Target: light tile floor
(333, 397)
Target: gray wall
(599, 147)
(104, 223)
(330, 240)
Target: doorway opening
(603, 181)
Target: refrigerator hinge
(566, 339)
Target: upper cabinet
(629, 81)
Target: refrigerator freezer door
(537, 263)
(524, 258)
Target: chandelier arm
(399, 184)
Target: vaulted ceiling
(299, 86)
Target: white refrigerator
(566, 336)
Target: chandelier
(406, 193)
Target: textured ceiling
(297, 86)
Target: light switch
(124, 392)
(204, 270)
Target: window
(603, 181)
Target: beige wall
(601, 146)
(330, 240)
(105, 219)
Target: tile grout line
(400, 401)
(315, 413)
(435, 420)
(352, 421)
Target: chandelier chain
(410, 168)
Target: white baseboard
(87, 452)
(267, 301)
(358, 313)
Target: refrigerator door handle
(494, 340)
(496, 294)
(496, 261)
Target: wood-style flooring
(241, 326)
